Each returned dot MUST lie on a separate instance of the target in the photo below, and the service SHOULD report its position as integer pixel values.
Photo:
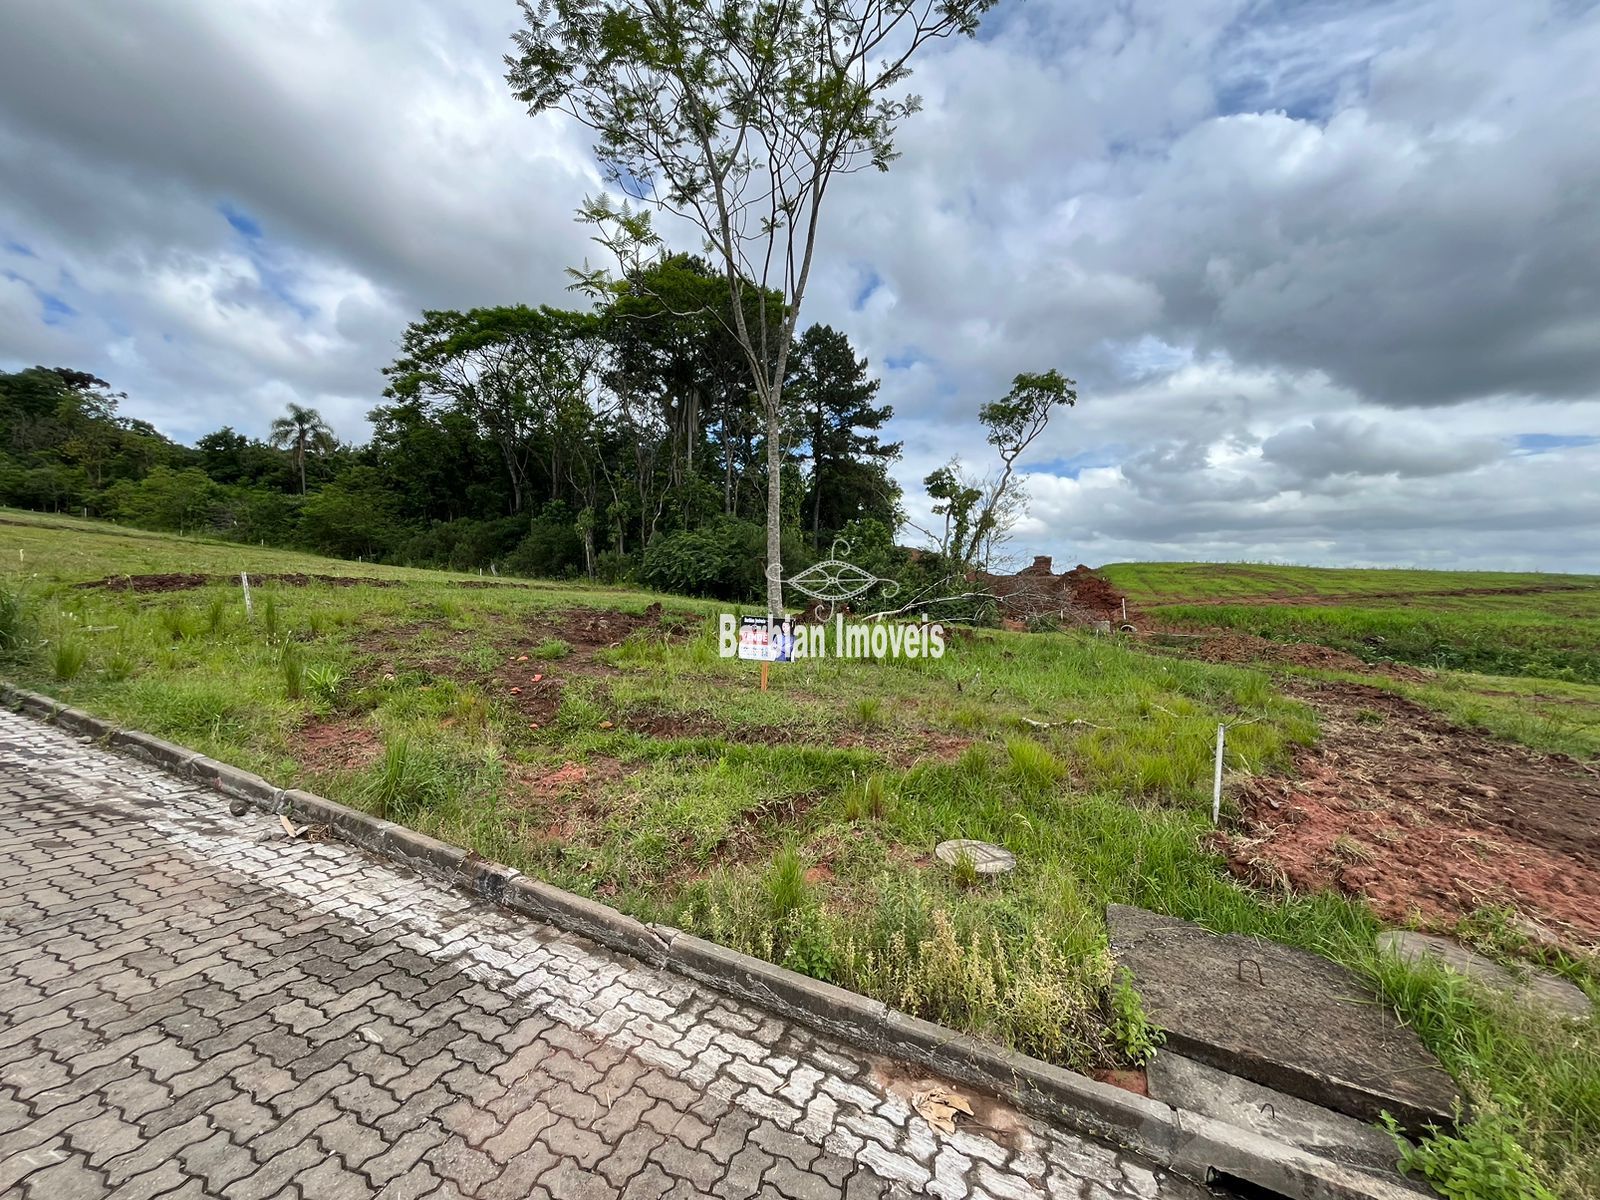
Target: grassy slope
(797, 823)
(1517, 654)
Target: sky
(1327, 272)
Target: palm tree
(301, 430)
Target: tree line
(620, 443)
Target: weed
(121, 664)
(324, 680)
(552, 648)
(964, 871)
(1485, 1160)
(866, 712)
(67, 659)
(174, 622)
(13, 621)
(1034, 765)
(867, 800)
(1135, 1037)
(294, 672)
(787, 890)
(404, 783)
(269, 618)
(1369, 716)
(968, 717)
(1347, 848)
(216, 611)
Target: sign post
(766, 640)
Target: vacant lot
(596, 739)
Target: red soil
(1424, 818)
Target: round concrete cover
(987, 858)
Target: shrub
(551, 548)
(722, 560)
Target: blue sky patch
(243, 223)
(1543, 443)
(869, 285)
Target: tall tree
(511, 369)
(833, 396)
(735, 116)
(301, 430)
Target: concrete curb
(1189, 1144)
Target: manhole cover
(987, 858)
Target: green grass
(1179, 582)
(796, 823)
(1516, 655)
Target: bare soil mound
(1226, 646)
(1422, 817)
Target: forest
(622, 443)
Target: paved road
(192, 1005)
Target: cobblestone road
(193, 1005)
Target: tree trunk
(774, 504)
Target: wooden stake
(765, 665)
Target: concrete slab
(1280, 1017)
(1533, 987)
(1185, 1083)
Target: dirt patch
(561, 800)
(595, 627)
(991, 1117)
(1078, 595)
(1227, 646)
(1424, 818)
(182, 582)
(336, 745)
(1129, 1081)
(1093, 593)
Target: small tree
(978, 512)
(300, 431)
(736, 117)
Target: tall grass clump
(13, 622)
(293, 667)
(216, 613)
(404, 783)
(68, 658)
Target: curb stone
(1197, 1147)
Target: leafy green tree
(833, 396)
(355, 516)
(165, 499)
(301, 431)
(516, 372)
(736, 117)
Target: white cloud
(1316, 268)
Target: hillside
(594, 737)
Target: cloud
(1328, 275)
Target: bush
(464, 545)
(551, 549)
(724, 559)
